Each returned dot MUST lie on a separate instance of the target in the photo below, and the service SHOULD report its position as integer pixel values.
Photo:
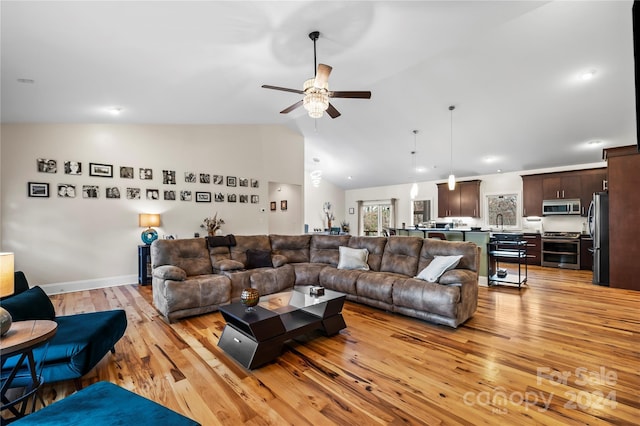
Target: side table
(144, 264)
(20, 340)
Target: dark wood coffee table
(256, 337)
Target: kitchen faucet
(501, 223)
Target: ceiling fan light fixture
(316, 101)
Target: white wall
(59, 240)
(288, 221)
(491, 184)
(315, 197)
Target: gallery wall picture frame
(72, 168)
(283, 205)
(133, 193)
(126, 172)
(243, 181)
(352, 210)
(153, 194)
(219, 197)
(146, 174)
(112, 192)
(186, 195)
(232, 198)
(255, 199)
(273, 206)
(189, 177)
(101, 170)
(90, 191)
(169, 177)
(231, 181)
(203, 197)
(38, 189)
(205, 178)
(244, 198)
(66, 190)
(47, 165)
(170, 195)
(218, 179)
(255, 183)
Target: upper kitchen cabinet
(463, 201)
(561, 185)
(578, 184)
(532, 195)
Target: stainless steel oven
(561, 250)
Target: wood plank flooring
(558, 351)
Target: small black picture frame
(101, 170)
(283, 205)
(273, 206)
(351, 210)
(38, 189)
(231, 181)
(203, 197)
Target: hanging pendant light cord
(451, 108)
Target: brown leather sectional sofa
(191, 277)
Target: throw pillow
(32, 304)
(438, 266)
(258, 259)
(351, 258)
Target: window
(421, 211)
(376, 218)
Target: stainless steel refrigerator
(598, 219)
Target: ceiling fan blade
(292, 107)
(358, 95)
(322, 76)
(284, 89)
(333, 112)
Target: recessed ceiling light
(588, 75)
(499, 170)
(349, 177)
(595, 142)
(115, 110)
(26, 80)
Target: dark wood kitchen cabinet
(562, 186)
(624, 216)
(532, 195)
(463, 201)
(593, 180)
(534, 248)
(586, 256)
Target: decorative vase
(329, 224)
(249, 298)
(5, 321)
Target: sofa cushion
(324, 248)
(279, 260)
(427, 297)
(294, 247)
(32, 304)
(351, 258)
(375, 246)
(272, 280)
(249, 242)
(190, 254)
(401, 255)
(433, 247)
(227, 265)
(342, 280)
(377, 286)
(438, 266)
(258, 259)
(197, 291)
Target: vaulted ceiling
(512, 69)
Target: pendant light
(413, 193)
(452, 178)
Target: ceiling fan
(316, 90)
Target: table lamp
(6, 289)
(148, 220)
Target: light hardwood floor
(558, 351)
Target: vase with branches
(326, 208)
(212, 224)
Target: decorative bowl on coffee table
(249, 298)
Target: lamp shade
(6, 274)
(147, 220)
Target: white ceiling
(511, 69)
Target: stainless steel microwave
(552, 207)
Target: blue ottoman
(103, 404)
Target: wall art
(153, 194)
(133, 193)
(185, 195)
(219, 197)
(169, 177)
(112, 192)
(126, 172)
(244, 198)
(351, 210)
(170, 195)
(218, 179)
(255, 199)
(283, 205)
(232, 198)
(189, 177)
(38, 189)
(231, 181)
(66, 190)
(90, 191)
(203, 197)
(72, 167)
(243, 181)
(46, 165)
(146, 174)
(205, 178)
(273, 206)
(100, 170)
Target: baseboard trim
(68, 287)
(482, 281)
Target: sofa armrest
(457, 276)
(227, 265)
(279, 260)
(170, 272)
